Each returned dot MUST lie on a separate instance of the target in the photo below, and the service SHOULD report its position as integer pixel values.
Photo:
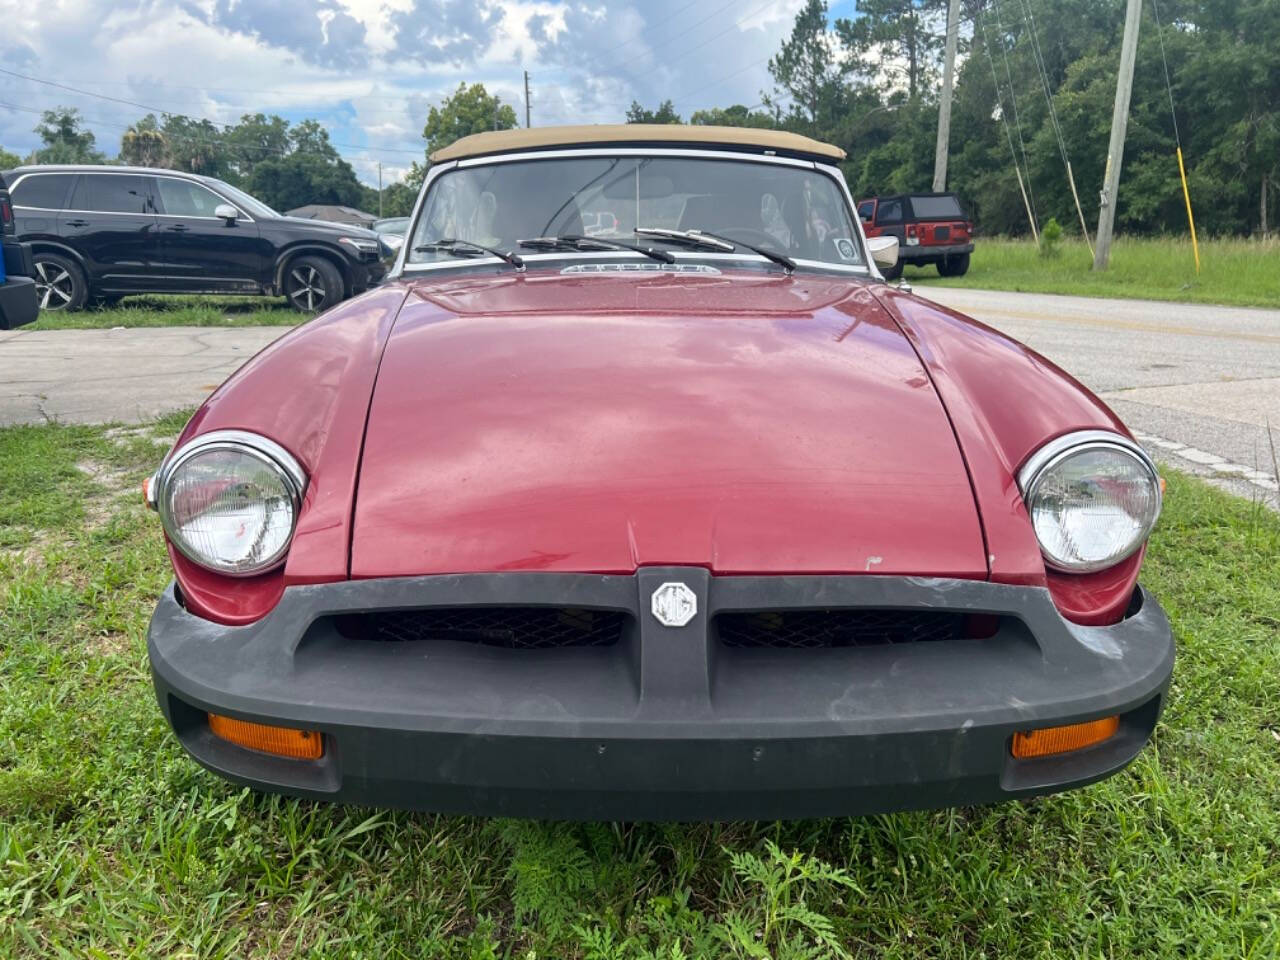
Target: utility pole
(379, 189)
(527, 122)
(944, 105)
(1119, 125)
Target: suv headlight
(1093, 497)
(360, 245)
(229, 501)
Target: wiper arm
(689, 238)
(575, 242)
(711, 241)
(469, 248)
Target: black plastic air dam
(668, 723)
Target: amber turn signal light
(280, 741)
(1048, 741)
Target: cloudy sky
(370, 69)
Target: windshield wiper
(469, 248)
(711, 241)
(575, 242)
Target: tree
(63, 139)
(255, 139)
(308, 136)
(666, 113)
(468, 110)
(810, 70)
(398, 200)
(735, 116)
(8, 160)
(144, 145)
(302, 178)
(903, 38)
(196, 146)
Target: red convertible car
(693, 518)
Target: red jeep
(930, 227)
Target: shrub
(1050, 238)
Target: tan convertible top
(537, 138)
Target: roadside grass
(171, 310)
(1236, 272)
(115, 844)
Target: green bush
(1050, 237)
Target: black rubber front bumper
(669, 723)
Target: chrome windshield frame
(402, 267)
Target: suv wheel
(60, 285)
(312, 284)
(894, 272)
(956, 266)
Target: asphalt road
(1200, 384)
(100, 376)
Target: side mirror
(883, 250)
(225, 211)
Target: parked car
(99, 233)
(930, 228)
(696, 519)
(391, 230)
(17, 289)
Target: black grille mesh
(814, 629)
(514, 628)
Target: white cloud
(371, 69)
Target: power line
(642, 33)
(1004, 120)
(1168, 84)
(698, 23)
(1013, 99)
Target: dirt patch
(114, 483)
(109, 644)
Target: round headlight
(1093, 498)
(229, 501)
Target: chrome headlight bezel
(1039, 465)
(268, 452)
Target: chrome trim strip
(241, 441)
(744, 257)
(122, 213)
(1036, 463)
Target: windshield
(252, 204)
(790, 210)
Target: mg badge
(674, 605)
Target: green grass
(166, 310)
(1236, 272)
(114, 844)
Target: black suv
(17, 291)
(99, 233)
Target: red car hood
(747, 424)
